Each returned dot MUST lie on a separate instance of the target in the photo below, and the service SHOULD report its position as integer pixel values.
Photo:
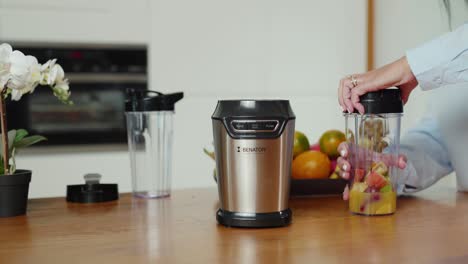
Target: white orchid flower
(21, 74)
(5, 53)
(49, 64)
(63, 85)
(45, 70)
(61, 91)
(56, 74)
(25, 74)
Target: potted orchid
(21, 74)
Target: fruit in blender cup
(372, 203)
(349, 135)
(372, 192)
(375, 180)
(359, 174)
(374, 196)
(360, 186)
(386, 188)
(365, 143)
(381, 145)
(380, 168)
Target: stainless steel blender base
(254, 220)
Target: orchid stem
(4, 133)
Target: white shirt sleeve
(441, 61)
(428, 158)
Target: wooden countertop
(431, 227)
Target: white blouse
(438, 144)
(441, 61)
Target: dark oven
(99, 78)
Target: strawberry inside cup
(375, 180)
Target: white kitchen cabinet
(71, 21)
(257, 48)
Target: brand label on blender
(251, 149)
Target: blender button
(270, 125)
(255, 126)
(239, 125)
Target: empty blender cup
(374, 144)
(150, 136)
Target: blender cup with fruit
(374, 141)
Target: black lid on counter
(146, 100)
(382, 102)
(92, 191)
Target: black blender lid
(92, 191)
(253, 109)
(147, 100)
(386, 101)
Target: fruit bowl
(311, 187)
(314, 170)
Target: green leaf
(20, 134)
(11, 138)
(28, 141)
(210, 154)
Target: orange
(301, 143)
(311, 165)
(329, 142)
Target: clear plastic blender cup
(374, 144)
(150, 135)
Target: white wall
(212, 50)
(71, 21)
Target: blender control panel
(251, 128)
(255, 126)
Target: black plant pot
(14, 193)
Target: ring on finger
(354, 81)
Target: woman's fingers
(355, 94)
(391, 160)
(345, 168)
(343, 149)
(345, 91)
(347, 86)
(340, 96)
(346, 193)
(343, 164)
(402, 161)
(344, 174)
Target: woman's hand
(345, 165)
(396, 74)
